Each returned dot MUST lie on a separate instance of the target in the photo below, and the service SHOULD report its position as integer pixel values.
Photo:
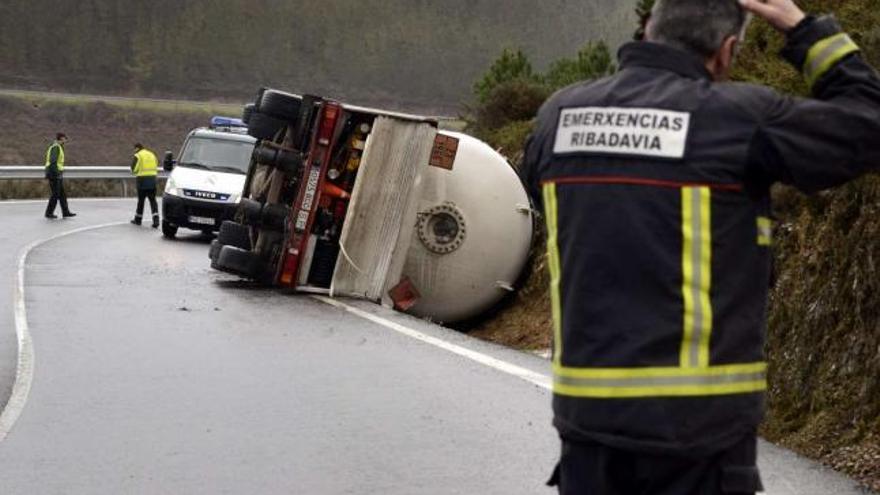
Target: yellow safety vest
(147, 164)
(60, 162)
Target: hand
(784, 15)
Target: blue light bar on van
(226, 122)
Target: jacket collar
(657, 56)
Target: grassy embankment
(824, 322)
(101, 133)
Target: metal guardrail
(24, 172)
(36, 172)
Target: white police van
(207, 179)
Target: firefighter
(145, 167)
(55, 176)
(655, 187)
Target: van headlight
(171, 188)
(235, 198)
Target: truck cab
(206, 181)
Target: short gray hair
(696, 26)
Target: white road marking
(530, 376)
(24, 372)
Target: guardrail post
(124, 188)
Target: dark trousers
(587, 468)
(146, 194)
(57, 195)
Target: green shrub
(592, 62)
(510, 101)
(508, 140)
(510, 93)
(510, 66)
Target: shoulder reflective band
(765, 231)
(696, 230)
(551, 212)
(620, 383)
(824, 54)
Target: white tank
(473, 236)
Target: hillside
(100, 134)
(414, 54)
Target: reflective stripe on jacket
(655, 187)
(58, 160)
(147, 164)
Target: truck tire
(239, 262)
(280, 105)
(234, 234)
(286, 160)
(247, 112)
(168, 230)
(215, 249)
(275, 217)
(264, 127)
(250, 212)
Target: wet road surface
(153, 373)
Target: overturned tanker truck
(350, 201)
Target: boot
(136, 220)
(155, 221)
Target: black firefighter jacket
(655, 187)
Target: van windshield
(217, 154)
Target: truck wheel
(250, 211)
(234, 234)
(264, 154)
(264, 127)
(168, 230)
(247, 112)
(275, 216)
(238, 262)
(286, 160)
(215, 249)
(289, 162)
(280, 105)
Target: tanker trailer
(350, 201)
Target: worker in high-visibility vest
(55, 176)
(655, 184)
(145, 166)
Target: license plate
(201, 220)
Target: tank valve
(505, 286)
(525, 209)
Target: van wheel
(280, 105)
(264, 127)
(168, 230)
(233, 234)
(238, 262)
(247, 112)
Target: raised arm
(820, 142)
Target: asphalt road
(154, 374)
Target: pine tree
(643, 11)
